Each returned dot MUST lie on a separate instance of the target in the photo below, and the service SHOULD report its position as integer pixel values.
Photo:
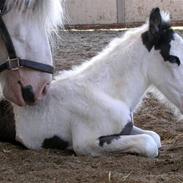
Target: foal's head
(166, 57)
(28, 23)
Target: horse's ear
(155, 21)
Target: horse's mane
(47, 12)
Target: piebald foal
(89, 109)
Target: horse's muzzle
(27, 94)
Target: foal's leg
(141, 144)
(88, 141)
(154, 135)
(137, 131)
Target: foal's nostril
(27, 93)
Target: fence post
(120, 11)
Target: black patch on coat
(109, 138)
(7, 122)
(127, 129)
(2, 7)
(55, 143)
(159, 36)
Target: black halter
(13, 62)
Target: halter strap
(7, 39)
(13, 62)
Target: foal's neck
(121, 70)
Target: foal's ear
(155, 21)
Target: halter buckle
(13, 64)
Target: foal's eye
(174, 59)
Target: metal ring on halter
(14, 63)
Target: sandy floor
(21, 165)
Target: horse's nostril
(44, 91)
(27, 93)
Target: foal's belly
(52, 142)
(35, 132)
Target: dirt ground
(53, 166)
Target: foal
(89, 109)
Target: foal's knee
(87, 148)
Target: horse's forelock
(47, 12)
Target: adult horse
(25, 56)
(89, 109)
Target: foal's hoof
(150, 147)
